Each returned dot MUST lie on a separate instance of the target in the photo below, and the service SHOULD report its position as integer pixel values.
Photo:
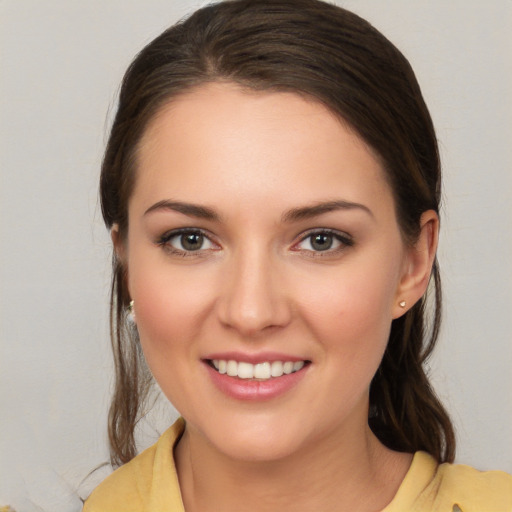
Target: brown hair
(325, 52)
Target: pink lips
(253, 389)
(260, 357)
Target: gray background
(61, 63)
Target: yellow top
(149, 483)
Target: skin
(257, 284)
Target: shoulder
(429, 486)
(124, 486)
(474, 490)
(130, 486)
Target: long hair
(324, 52)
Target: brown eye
(192, 241)
(185, 241)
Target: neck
(340, 472)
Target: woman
(272, 186)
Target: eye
(324, 241)
(185, 241)
(319, 242)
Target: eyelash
(165, 242)
(345, 241)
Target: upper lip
(254, 358)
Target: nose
(253, 298)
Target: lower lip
(255, 390)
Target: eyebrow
(192, 210)
(293, 215)
(308, 212)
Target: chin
(263, 449)
(253, 438)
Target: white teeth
(262, 371)
(288, 367)
(276, 369)
(245, 370)
(298, 365)
(232, 369)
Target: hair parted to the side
(327, 53)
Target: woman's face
(262, 240)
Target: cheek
(351, 310)
(170, 306)
(170, 311)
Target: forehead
(220, 140)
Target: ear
(418, 263)
(120, 251)
(119, 247)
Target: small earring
(131, 311)
(402, 303)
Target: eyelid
(342, 237)
(164, 239)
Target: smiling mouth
(261, 371)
